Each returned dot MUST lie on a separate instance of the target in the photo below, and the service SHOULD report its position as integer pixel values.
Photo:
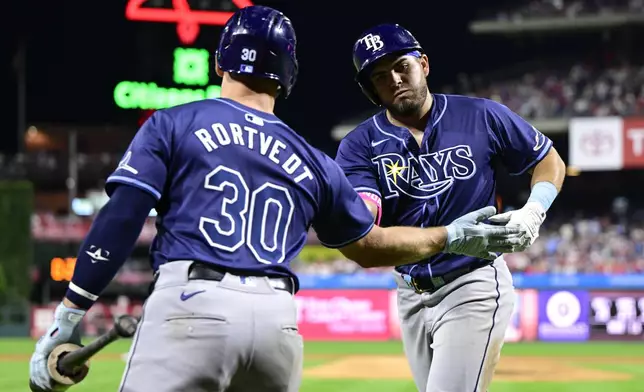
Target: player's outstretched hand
(528, 219)
(467, 235)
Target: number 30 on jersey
(247, 216)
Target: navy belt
(427, 284)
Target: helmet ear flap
(373, 97)
(367, 89)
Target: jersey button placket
(412, 144)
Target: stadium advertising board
(343, 314)
(394, 319)
(550, 315)
(523, 324)
(606, 143)
(596, 143)
(563, 315)
(617, 315)
(373, 315)
(354, 308)
(633, 143)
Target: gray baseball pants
(236, 335)
(453, 337)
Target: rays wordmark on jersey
(427, 175)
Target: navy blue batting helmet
(259, 41)
(375, 43)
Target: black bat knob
(126, 326)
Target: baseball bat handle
(124, 327)
(76, 358)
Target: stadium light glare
(573, 171)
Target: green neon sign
(191, 68)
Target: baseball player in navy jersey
(422, 161)
(236, 191)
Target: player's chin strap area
(207, 271)
(430, 285)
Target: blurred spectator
(595, 245)
(580, 91)
(568, 9)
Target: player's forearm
(108, 244)
(551, 169)
(547, 179)
(395, 246)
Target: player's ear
(424, 62)
(218, 69)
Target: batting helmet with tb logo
(375, 43)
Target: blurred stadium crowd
(565, 8)
(581, 90)
(594, 75)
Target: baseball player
(236, 191)
(423, 161)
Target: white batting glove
(528, 219)
(468, 235)
(63, 330)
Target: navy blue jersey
(450, 174)
(238, 188)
